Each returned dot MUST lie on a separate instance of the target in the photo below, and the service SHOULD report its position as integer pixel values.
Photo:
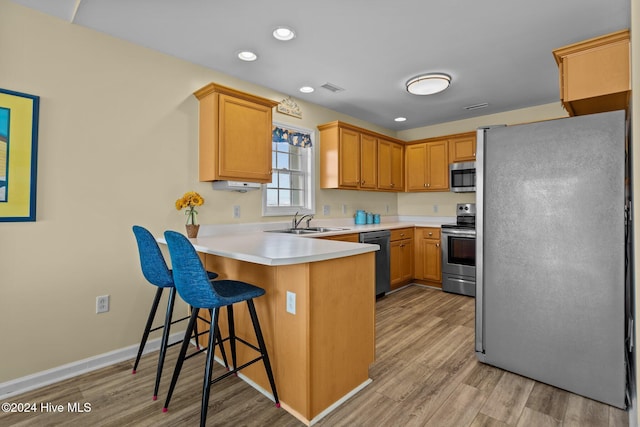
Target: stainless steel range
(459, 252)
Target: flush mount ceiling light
(306, 89)
(428, 84)
(247, 55)
(400, 119)
(283, 33)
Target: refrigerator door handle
(479, 345)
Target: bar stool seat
(155, 270)
(193, 287)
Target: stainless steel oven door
(459, 252)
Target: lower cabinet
(351, 237)
(401, 257)
(428, 259)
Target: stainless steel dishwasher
(383, 266)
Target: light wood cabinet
(359, 159)
(351, 237)
(401, 257)
(462, 148)
(390, 165)
(428, 259)
(348, 157)
(235, 135)
(595, 74)
(368, 162)
(427, 166)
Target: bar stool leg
(165, 340)
(232, 336)
(208, 372)
(219, 336)
(147, 328)
(263, 349)
(195, 332)
(183, 352)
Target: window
(292, 187)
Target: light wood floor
(425, 374)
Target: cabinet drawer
(401, 233)
(431, 233)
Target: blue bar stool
(155, 270)
(193, 286)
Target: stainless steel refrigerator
(551, 296)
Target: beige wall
(117, 146)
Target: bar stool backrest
(189, 275)
(154, 267)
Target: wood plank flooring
(425, 374)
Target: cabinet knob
(362, 183)
(437, 245)
(425, 184)
(392, 185)
(401, 234)
(430, 233)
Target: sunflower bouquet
(189, 201)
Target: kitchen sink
(309, 230)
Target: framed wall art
(18, 155)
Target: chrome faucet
(296, 222)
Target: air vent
(476, 106)
(332, 87)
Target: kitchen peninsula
(317, 315)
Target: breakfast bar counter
(317, 316)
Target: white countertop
(250, 242)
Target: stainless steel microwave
(462, 177)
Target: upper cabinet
(390, 165)
(235, 135)
(462, 148)
(595, 74)
(350, 159)
(427, 166)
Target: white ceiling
(497, 51)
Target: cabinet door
(349, 158)
(397, 167)
(416, 164)
(245, 140)
(396, 261)
(432, 261)
(368, 161)
(462, 149)
(437, 166)
(390, 162)
(406, 260)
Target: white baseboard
(73, 369)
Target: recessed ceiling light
(283, 33)
(247, 55)
(428, 84)
(400, 119)
(306, 89)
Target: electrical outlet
(102, 304)
(291, 302)
(387, 208)
(326, 210)
(236, 211)
(344, 209)
(435, 208)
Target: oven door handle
(460, 233)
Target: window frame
(309, 178)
